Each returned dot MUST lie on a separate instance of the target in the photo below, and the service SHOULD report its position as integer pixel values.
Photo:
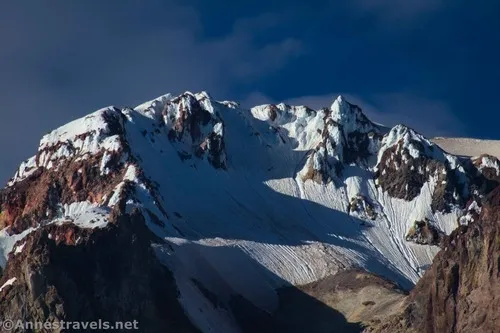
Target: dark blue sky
(431, 64)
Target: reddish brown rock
(36, 198)
(425, 233)
(72, 274)
(460, 293)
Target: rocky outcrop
(425, 233)
(362, 137)
(359, 205)
(407, 161)
(38, 198)
(65, 273)
(460, 292)
(193, 124)
(488, 166)
(485, 174)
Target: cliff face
(461, 291)
(65, 273)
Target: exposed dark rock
(460, 292)
(425, 233)
(403, 176)
(341, 145)
(320, 168)
(214, 147)
(362, 206)
(71, 274)
(273, 112)
(357, 149)
(488, 166)
(189, 127)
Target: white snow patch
(85, 215)
(7, 243)
(19, 248)
(9, 282)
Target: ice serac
(286, 194)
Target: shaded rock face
(214, 148)
(485, 171)
(488, 166)
(425, 233)
(361, 146)
(411, 161)
(460, 292)
(72, 274)
(472, 211)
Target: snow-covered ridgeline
(99, 132)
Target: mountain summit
(205, 210)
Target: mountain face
(208, 213)
(459, 293)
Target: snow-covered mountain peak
(156, 104)
(350, 116)
(187, 98)
(409, 140)
(282, 114)
(407, 162)
(98, 135)
(202, 95)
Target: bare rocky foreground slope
(460, 292)
(191, 214)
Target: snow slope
(251, 200)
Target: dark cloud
(427, 116)
(426, 63)
(397, 10)
(64, 61)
